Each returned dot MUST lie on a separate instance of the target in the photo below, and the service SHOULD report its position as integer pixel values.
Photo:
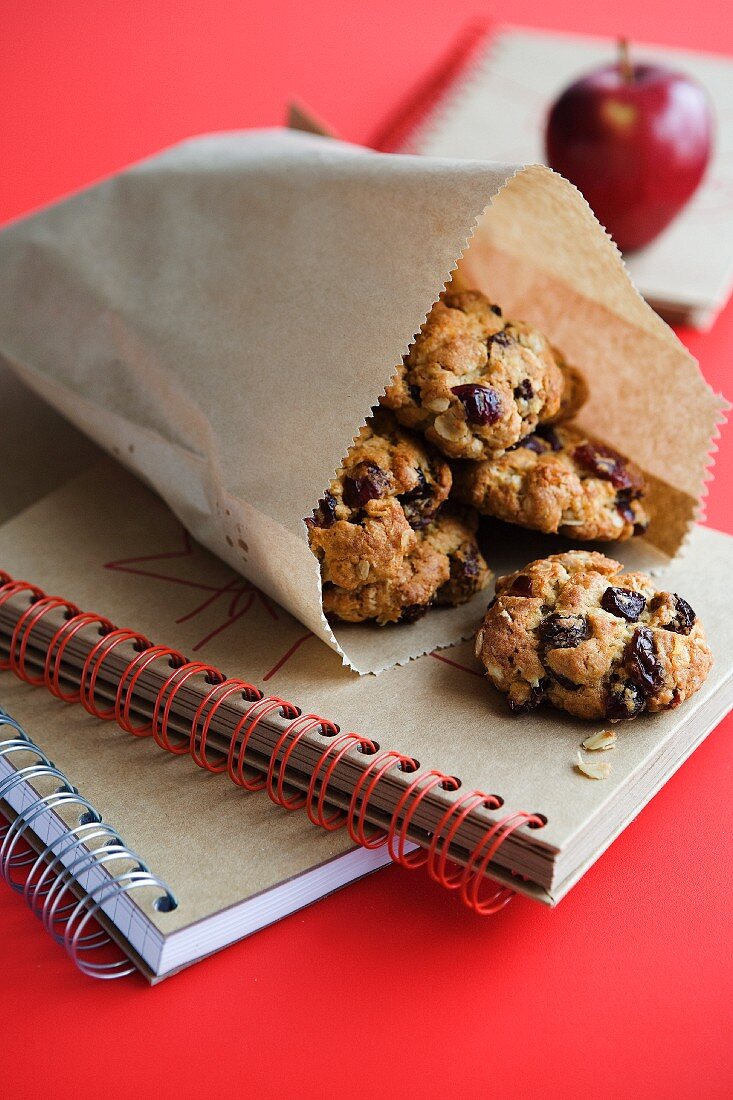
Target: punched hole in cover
(409, 766)
(537, 824)
(369, 750)
(494, 802)
(165, 904)
(89, 817)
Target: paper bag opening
(223, 316)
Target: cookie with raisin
(445, 567)
(389, 487)
(575, 630)
(473, 382)
(559, 480)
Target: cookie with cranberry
(558, 480)
(474, 383)
(575, 630)
(445, 567)
(388, 488)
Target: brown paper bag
(222, 317)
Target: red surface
(389, 988)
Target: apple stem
(624, 60)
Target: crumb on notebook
(592, 769)
(599, 742)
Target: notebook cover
(495, 109)
(117, 549)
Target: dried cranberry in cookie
(558, 480)
(671, 611)
(481, 404)
(473, 382)
(454, 534)
(574, 630)
(444, 567)
(607, 464)
(389, 487)
(623, 602)
(564, 631)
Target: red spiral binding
(97, 656)
(459, 811)
(62, 637)
(382, 763)
(473, 873)
(23, 630)
(165, 698)
(399, 833)
(246, 726)
(214, 699)
(12, 588)
(133, 672)
(316, 815)
(468, 880)
(306, 722)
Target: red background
(389, 987)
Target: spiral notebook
(437, 772)
(231, 865)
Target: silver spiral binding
(82, 871)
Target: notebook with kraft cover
(429, 733)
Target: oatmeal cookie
(475, 383)
(599, 643)
(445, 567)
(558, 480)
(389, 488)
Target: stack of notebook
(183, 860)
(182, 761)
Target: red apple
(636, 140)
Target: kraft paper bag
(223, 316)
